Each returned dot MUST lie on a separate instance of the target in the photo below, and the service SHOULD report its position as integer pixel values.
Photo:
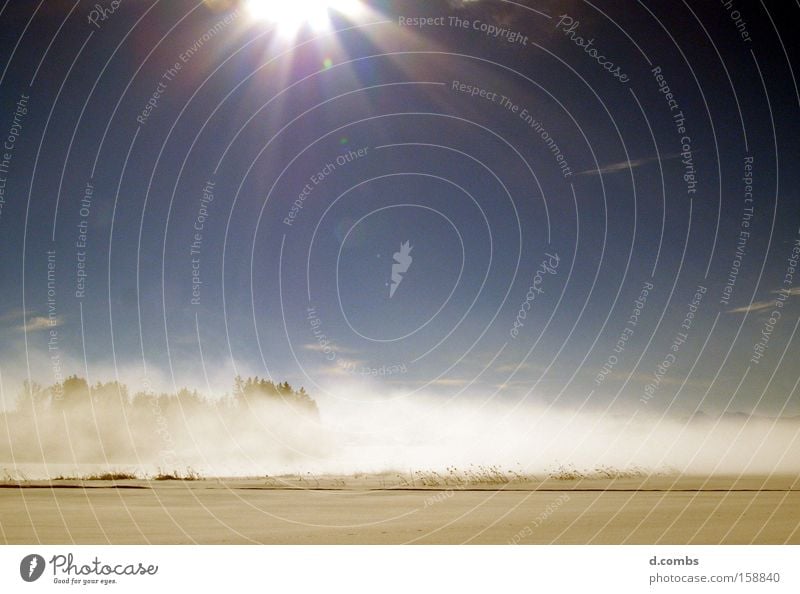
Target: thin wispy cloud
(624, 165)
(762, 305)
(36, 323)
(318, 348)
(343, 367)
(755, 306)
(452, 381)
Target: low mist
(263, 428)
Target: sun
(291, 15)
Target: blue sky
(522, 280)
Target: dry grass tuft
(568, 472)
(471, 476)
(189, 474)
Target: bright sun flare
(291, 15)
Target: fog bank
(265, 428)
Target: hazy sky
(608, 224)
